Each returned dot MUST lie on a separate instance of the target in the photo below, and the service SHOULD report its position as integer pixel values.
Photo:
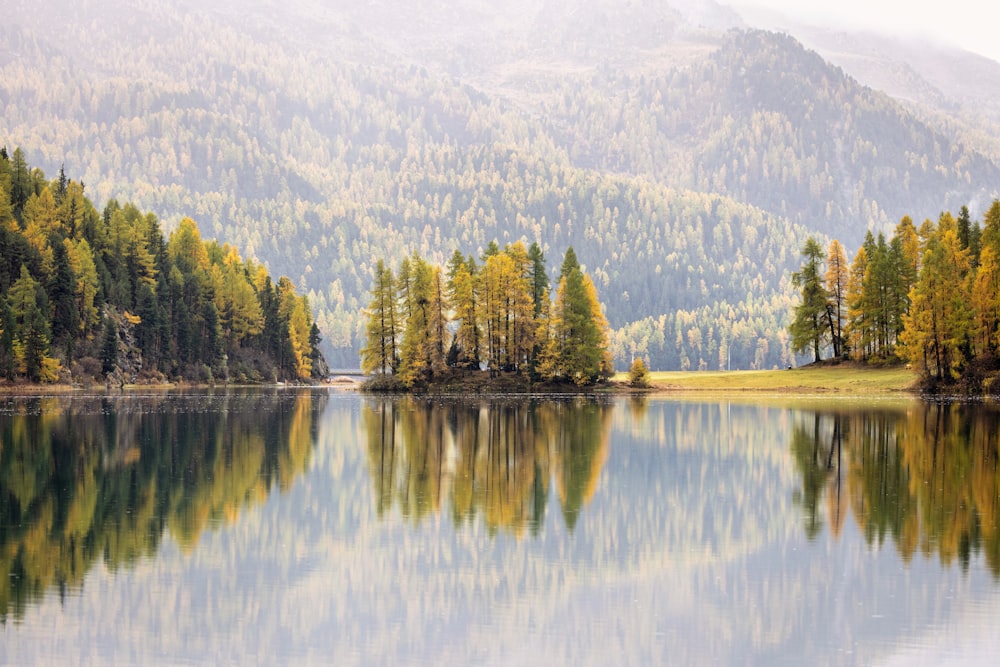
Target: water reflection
(926, 478)
(84, 479)
(490, 457)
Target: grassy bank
(843, 378)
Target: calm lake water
(306, 527)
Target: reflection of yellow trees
(494, 457)
(82, 479)
(928, 478)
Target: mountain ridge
(687, 190)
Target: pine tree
(809, 328)
(109, 347)
(28, 306)
(62, 298)
(577, 339)
(35, 338)
(7, 361)
(320, 369)
(21, 185)
(539, 277)
(964, 227)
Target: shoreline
(826, 380)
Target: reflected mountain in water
(106, 477)
(926, 478)
(490, 457)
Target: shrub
(638, 374)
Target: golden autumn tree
(986, 286)
(380, 354)
(463, 295)
(937, 328)
(295, 310)
(836, 289)
(857, 317)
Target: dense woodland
(683, 184)
(927, 295)
(88, 295)
(424, 320)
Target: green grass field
(845, 378)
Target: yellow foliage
(51, 368)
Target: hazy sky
(971, 24)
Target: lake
(285, 526)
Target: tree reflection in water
(492, 457)
(88, 478)
(926, 477)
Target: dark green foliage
(810, 328)
(62, 299)
(539, 278)
(320, 369)
(6, 340)
(34, 334)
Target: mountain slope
(686, 167)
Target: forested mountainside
(684, 165)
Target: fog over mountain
(685, 155)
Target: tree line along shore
(928, 297)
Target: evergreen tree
(35, 338)
(29, 308)
(539, 277)
(964, 227)
(21, 185)
(7, 361)
(877, 297)
(320, 369)
(809, 328)
(62, 298)
(109, 346)
(576, 347)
